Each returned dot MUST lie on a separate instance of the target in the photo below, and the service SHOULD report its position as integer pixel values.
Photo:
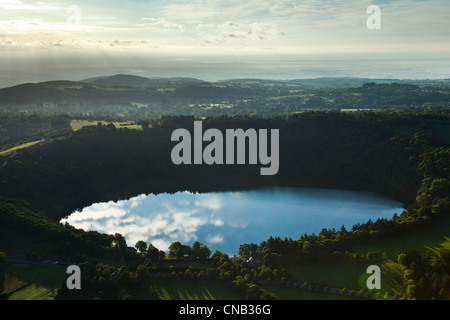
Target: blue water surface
(225, 220)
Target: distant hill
(91, 80)
(138, 97)
(50, 91)
(124, 80)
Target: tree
(144, 124)
(200, 250)
(273, 260)
(119, 241)
(153, 253)
(409, 257)
(254, 292)
(142, 273)
(126, 277)
(227, 275)
(179, 250)
(265, 273)
(266, 295)
(248, 250)
(239, 284)
(111, 126)
(188, 273)
(202, 275)
(175, 249)
(141, 246)
(212, 273)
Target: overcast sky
(53, 34)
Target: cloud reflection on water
(223, 221)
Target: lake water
(225, 220)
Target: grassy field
(348, 275)
(43, 281)
(355, 110)
(295, 294)
(332, 274)
(24, 145)
(78, 124)
(434, 236)
(184, 289)
(13, 283)
(353, 275)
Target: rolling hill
(124, 80)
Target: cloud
(313, 25)
(125, 44)
(29, 25)
(69, 40)
(136, 201)
(188, 26)
(218, 222)
(98, 211)
(179, 220)
(17, 5)
(232, 32)
(161, 244)
(39, 26)
(211, 202)
(217, 239)
(161, 22)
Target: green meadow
(78, 124)
(184, 289)
(24, 145)
(436, 235)
(353, 275)
(295, 294)
(42, 281)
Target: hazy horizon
(413, 69)
(216, 40)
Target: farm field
(352, 275)
(24, 145)
(433, 236)
(12, 283)
(43, 281)
(184, 289)
(349, 275)
(78, 124)
(295, 294)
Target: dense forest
(104, 163)
(18, 129)
(404, 155)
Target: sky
(211, 39)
